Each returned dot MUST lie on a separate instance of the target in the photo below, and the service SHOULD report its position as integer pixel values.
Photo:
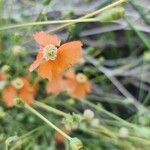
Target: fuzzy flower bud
(123, 132)
(95, 123)
(2, 84)
(81, 78)
(5, 68)
(147, 56)
(18, 50)
(88, 114)
(17, 83)
(76, 144)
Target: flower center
(81, 78)
(50, 52)
(17, 83)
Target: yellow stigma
(50, 52)
(81, 78)
(17, 83)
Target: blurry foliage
(120, 50)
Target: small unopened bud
(91, 50)
(101, 61)
(76, 144)
(17, 83)
(81, 78)
(147, 56)
(88, 114)
(2, 85)
(19, 102)
(95, 123)
(112, 14)
(71, 101)
(18, 50)
(123, 132)
(5, 68)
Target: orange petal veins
(69, 54)
(56, 86)
(44, 39)
(9, 94)
(37, 62)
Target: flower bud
(146, 56)
(123, 132)
(81, 78)
(5, 68)
(88, 114)
(17, 83)
(18, 50)
(112, 14)
(76, 144)
(95, 123)
(2, 85)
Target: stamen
(17, 83)
(50, 52)
(81, 78)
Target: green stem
(6, 146)
(90, 14)
(50, 109)
(47, 121)
(49, 22)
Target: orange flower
(59, 138)
(53, 60)
(55, 86)
(20, 87)
(77, 85)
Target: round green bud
(5, 68)
(76, 144)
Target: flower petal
(50, 70)
(37, 62)
(69, 54)
(79, 92)
(44, 39)
(88, 87)
(27, 92)
(45, 70)
(9, 94)
(55, 86)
